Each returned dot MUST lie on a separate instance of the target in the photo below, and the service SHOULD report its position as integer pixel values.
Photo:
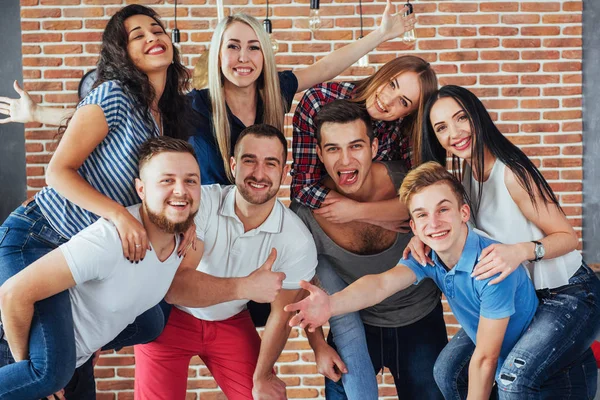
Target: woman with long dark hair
(514, 204)
(139, 94)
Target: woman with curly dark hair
(139, 94)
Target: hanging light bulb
(175, 38)
(314, 20)
(364, 60)
(409, 37)
(269, 29)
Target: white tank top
(500, 217)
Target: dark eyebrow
(437, 205)
(454, 115)
(352, 142)
(188, 174)
(407, 99)
(254, 157)
(139, 27)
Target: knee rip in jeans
(507, 379)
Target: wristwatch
(539, 251)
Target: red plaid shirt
(307, 169)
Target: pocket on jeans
(41, 241)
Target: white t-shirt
(110, 291)
(229, 252)
(500, 218)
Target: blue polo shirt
(212, 169)
(469, 299)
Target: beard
(164, 224)
(254, 198)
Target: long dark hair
(114, 64)
(484, 135)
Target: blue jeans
(451, 370)
(552, 358)
(409, 352)
(349, 334)
(25, 237)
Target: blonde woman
(245, 88)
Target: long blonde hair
(428, 84)
(267, 85)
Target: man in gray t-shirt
(406, 331)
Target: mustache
(259, 182)
(185, 198)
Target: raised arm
(330, 66)
(560, 237)
(24, 110)
(44, 278)
(316, 309)
(482, 368)
(192, 288)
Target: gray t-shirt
(402, 308)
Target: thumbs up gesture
(263, 285)
(313, 311)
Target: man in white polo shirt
(107, 291)
(240, 226)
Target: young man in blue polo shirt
(493, 316)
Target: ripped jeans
(551, 360)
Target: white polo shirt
(231, 252)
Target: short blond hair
(428, 174)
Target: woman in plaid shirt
(394, 97)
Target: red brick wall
(522, 58)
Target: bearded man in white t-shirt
(107, 291)
(240, 226)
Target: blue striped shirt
(111, 167)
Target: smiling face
(169, 187)
(452, 127)
(241, 55)
(259, 168)
(395, 99)
(347, 154)
(438, 218)
(149, 47)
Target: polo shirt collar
(273, 223)
(468, 258)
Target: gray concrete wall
(591, 131)
(13, 180)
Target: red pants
(229, 349)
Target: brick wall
(522, 58)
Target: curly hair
(115, 64)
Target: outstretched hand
(18, 110)
(312, 312)
(394, 25)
